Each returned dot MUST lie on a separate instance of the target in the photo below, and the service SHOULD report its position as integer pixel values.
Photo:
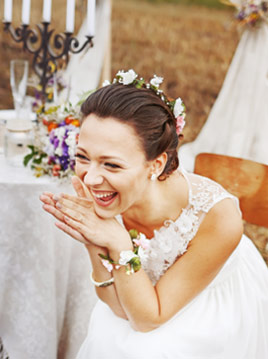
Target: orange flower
(69, 119)
(75, 123)
(51, 126)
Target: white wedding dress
(227, 320)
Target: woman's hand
(50, 206)
(80, 216)
(77, 218)
(85, 204)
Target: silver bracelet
(106, 283)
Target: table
(45, 293)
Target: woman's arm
(148, 307)
(100, 274)
(106, 294)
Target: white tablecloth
(45, 293)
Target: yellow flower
(51, 110)
(38, 171)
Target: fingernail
(58, 205)
(56, 198)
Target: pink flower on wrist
(107, 265)
(142, 241)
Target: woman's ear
(158, 165)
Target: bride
(174, 274)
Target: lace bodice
(172, 240)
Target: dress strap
(205, 193)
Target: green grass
(207, 3)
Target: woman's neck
(164, 200)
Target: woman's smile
(104, 198)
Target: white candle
(91, 4)
(70, 16)
(47, 10)
(25, 17)
(8, 11)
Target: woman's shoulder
(205, 193)
(221, 211)
(222, 226)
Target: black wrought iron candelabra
(47, 48)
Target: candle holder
(47, 48)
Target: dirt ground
(190, 46)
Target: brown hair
(144, 110)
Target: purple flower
(50, 81)
(64, 149)
(62, 123)
(72, 164)
(64, 162)
(54, 140)
(37, 94)
(241, 15)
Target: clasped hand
(76, 217)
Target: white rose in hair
(126, 256)
(178, 108)
(106, 83)
(156, 81)
(127, 77)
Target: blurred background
(188, 42)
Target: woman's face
(111, 163)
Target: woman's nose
(93, 177)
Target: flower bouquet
(56, 136)
(250, 12)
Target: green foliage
(36, 156)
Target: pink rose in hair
(180, 124)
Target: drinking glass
(18, 81)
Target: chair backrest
(247, 180)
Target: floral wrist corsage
(128, 259)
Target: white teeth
(103, 195)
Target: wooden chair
(247, 180)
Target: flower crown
(131, 78)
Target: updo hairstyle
(144, 110)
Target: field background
(188, 42)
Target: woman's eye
(81, 157)
(111, 165)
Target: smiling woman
(104, 169)
(188, 292)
